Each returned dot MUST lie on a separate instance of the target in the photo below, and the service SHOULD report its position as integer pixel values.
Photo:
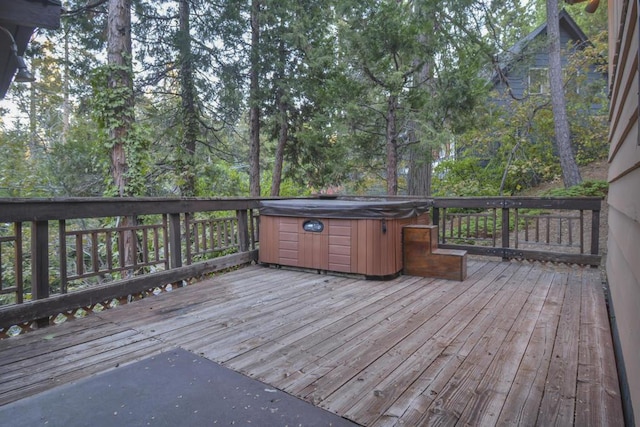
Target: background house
(623, 257)
(523, 69)
(20, 18)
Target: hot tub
(348, 236)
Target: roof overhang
(21, 18)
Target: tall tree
(420, 158)
(382, 38)
(188, 98)
(120, 109)
(282, 121)
(294, 40)
(254, 101)
(120, 83)
(570, 171)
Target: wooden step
(423, 238)
(422, 257)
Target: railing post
(444, 225)
(40, 263)
(175, 241)
(435, 216)
(243, 231)
(62, 237)
(595, 232)
(505, 230)
(18, 263)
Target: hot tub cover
(344, 209)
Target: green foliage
(515, 143)
(114, 114)
(473, 229)
(332, 64)
(589, 188)
(464, 177)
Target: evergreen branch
(88, 7)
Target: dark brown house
(18, 21)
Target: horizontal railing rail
(546, 229)
(63, 257)
(60, 258)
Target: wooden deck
(517, 343)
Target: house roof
(566, 22)
(21, 18)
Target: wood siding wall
(623, 258)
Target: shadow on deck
(515, 343)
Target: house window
(538, 81)
(572, 82)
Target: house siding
(517, 75)
(623, 254)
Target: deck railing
(65, 257)
(545, 229)
(61, 258)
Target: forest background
(264, 97)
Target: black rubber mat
(176, 388)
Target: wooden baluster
(40, 264)
(243, 231)
(505, 231)
(109, 243)
(62, 238)
(516, 227)
(95, 257)
(581, 231)
(595, 232)
(175, 241)
(165, 239)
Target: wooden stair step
(423, 258)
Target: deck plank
(516, 343)
(361, 306)
(400, 366)
(559, 399)
(522, 402)
(489, 396)
(468, 355)
(597, 379)
(356, 348)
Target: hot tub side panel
(372, 247)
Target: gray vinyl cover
(343, 209)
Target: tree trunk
(254, 103)
(66, 103)
(34, 146)
(392, 146)
(186, 156)
(283, 126)
(420, 160)
(119, 58)
(283, 135)
(570, 170)
(420, 169)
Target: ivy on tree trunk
(120, 80)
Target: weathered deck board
(522, 404)
(558, 402)
(597, 376)
(515, 343)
